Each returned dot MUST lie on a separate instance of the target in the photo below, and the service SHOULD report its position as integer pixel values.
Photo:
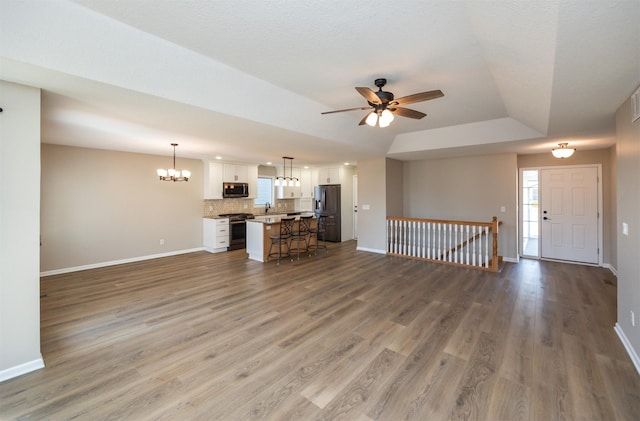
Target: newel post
(494, 256)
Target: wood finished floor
(343, 335)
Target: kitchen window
(265, 191)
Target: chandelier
(284, 180)
(563, 151)
(171, 174)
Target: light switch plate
(625, 228)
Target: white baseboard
(21, 369)
(371, 250)
(117, 262)
(510, 259)
(611, 268)
(627, 345)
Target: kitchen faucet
(267, 206)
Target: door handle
(546, 219)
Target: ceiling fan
(384, 105)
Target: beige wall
(19, 229)
(604, 157)
(371, 193)
(628, 207)
(103, 206)
(466, 189)
(394, 187)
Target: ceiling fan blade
(364, 120)
(369, 95)
(406, 112)
(423, 96)
(348, 109)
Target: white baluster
(413, 238)
(440, 229)
(395, 236)
(472, 245)
(467, 247)
(450, 241)
(428, 240)
(405, 239)
(455, 244)
(486, 247)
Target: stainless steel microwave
(235, 190)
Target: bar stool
(282, 239)
(302, 234)
(318, 232)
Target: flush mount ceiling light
(171, 174)
(284, 180)
(563, 151)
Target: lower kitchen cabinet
(216, 234)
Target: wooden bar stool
(282, 239)
(301, 235)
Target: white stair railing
(462, 243)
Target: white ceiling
(247, 80)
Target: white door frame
(355, 206)
(599, 200)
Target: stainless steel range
(237, 229)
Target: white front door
(569, 210)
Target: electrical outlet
(162, 241)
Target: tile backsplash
(216, 207)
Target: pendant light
(171, 174)
(284, 180)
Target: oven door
(237, 235)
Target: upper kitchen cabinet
(252, 179)
(329, 176)
(213, 174)
(239, 173)
(306, 183)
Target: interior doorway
(355, 207)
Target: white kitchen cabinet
(216, 234)
(306, 183)
(329, 176)
(252, 179)
(239, 173)
(213, 172)
(286, 192)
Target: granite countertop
(275, 218)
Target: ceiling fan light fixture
(372, 119)
(562, 152)
(386, 117)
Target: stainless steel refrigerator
(327, 202)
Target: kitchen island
(261, 228)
